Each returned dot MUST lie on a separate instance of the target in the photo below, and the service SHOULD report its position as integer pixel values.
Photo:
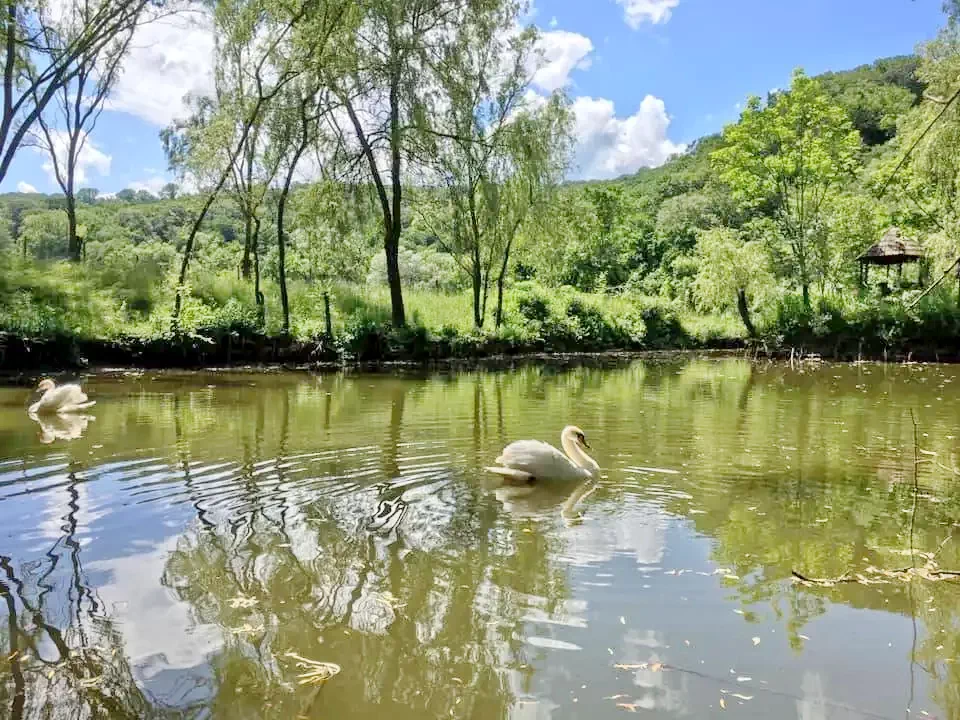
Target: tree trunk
(261, 304)
(744, 309)
(282, 255)
(500, 282)
(245, 265)
(328, 319)
(73, 242)
(393, 233)
(476, 280)
(806, 295)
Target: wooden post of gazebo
(892, 249)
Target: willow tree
(286, 38)
(293, 129)
(785, 158)
(492, 148)
(382, 83)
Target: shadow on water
(167, 560)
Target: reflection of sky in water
(552, 602)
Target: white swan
(529, 460)
(63, 399)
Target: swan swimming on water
(62, 399)
(529, 460)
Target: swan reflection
(61, 427)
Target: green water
(164, 561)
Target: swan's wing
(511, 474)
(538, 459)
(72, 407)
(71, 395)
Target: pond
(188, 547)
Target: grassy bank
(56, 314)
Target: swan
(63, 399)
(529, 460)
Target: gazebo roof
(893, 249)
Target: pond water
(162, 558)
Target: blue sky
(645, 76)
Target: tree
(66, 128)
(293, 128)
(87, 196)
(170, 191)
(785, 158)
(482, 79)
(382, 87)
(46, 44)
(730, 271)
(287, 38)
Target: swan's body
(63, 399)
(528, 460)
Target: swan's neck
(578, 456)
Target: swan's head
(576, 436)
(46, 385)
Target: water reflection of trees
(421, 621)
(329, 540)
(66, 656)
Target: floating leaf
(723, 704)
(241, 601)
(756, 641)
(316, 672)
(629, 707)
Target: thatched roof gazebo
(893, 249)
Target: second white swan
(63, 399)
(528, 460)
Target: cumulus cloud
(637, 12)
(609, 146)
(559, 53)
(152, 185)
(25, 187)
(169, 58)
(89, 158)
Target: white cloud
(152, 185)
(89, 157)
(168, 59)
(25, 187)
(637, 12)
(608, 146)
(553, 21)
(560, 53)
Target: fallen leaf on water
(246, 629)
(316, 672)
(803, 637)
(723, 704)
(756, 641)
(629, 707)
(738, 611)
(623, 620)
(744, 678)
(656, 667)
(616, 697)
(738, 696)
(241, 601)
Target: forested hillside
(752, 234)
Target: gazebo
(892, 249)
